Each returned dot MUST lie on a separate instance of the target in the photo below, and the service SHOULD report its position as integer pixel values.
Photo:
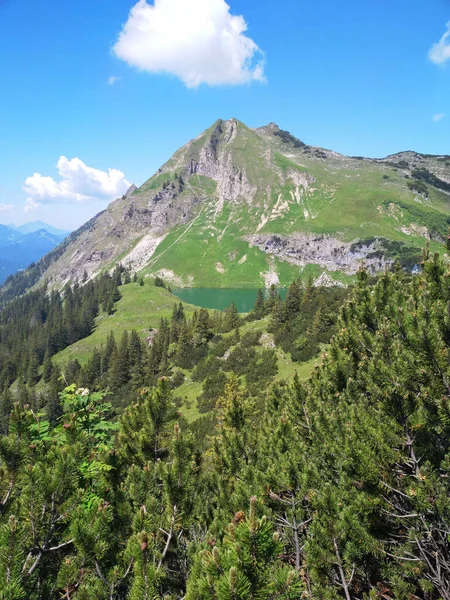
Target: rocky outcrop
(323, 250)
(269, 188)
(216, 162)
(325, 280)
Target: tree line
(333, 488)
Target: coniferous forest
(334, 487)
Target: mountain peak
(247, 207)
(33, 226)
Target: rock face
(216, 162)
(241, 207)
(324, 251)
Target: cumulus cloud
(113, 79)
(78, 183)
(199, 41)
(5, 207)
(31, 205)
(440, 52)
(438, 117)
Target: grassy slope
(349, 200)
(191, 390)
(346, 198)
(140, 308)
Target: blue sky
(353, 76)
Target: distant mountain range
(22, 245)
(34, 226)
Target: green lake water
(219, 299)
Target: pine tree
(33, 368)
(12, 545)
(47, 367)
(137, 357)
(143, 433)
(232, 318)
(273, 298)
(293, 298)
(6, 404)
(119, 367)
(259, 310)
(54, 408)
(72, 371)
(246, 564)
(202, 329)
(109, 350)
(92, 371)
(184, 347)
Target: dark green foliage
(231, 318)
(425, 175)
(45, 323)
(260, 308)
(347, 474)
(6, 405)
(262, 369)
(306, 319)
(206, 367)
(436, 222)
(246, 565)
(251, 338)
(213, 388)
(288, 138)
(239, 359)
(177, 379)
(419, 187)
(159, 282)
(47, 367)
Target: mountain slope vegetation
(336, 487)
(241, 207)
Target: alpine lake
(221, 298)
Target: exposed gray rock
(325, 280)
(323, 250)
(216, 162)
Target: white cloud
(440, 52)
(78, 183)
(438, 117)
(113, 79)
(199, 41)
(5, 207)
(31, 205)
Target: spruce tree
(259, 310)
(273, 298)
(137, 356)
(33, 368)
(184, 347)
(6, 404)
(232, 318)
(47, 367)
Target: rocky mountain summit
(242, 207)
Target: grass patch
(140, 308)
